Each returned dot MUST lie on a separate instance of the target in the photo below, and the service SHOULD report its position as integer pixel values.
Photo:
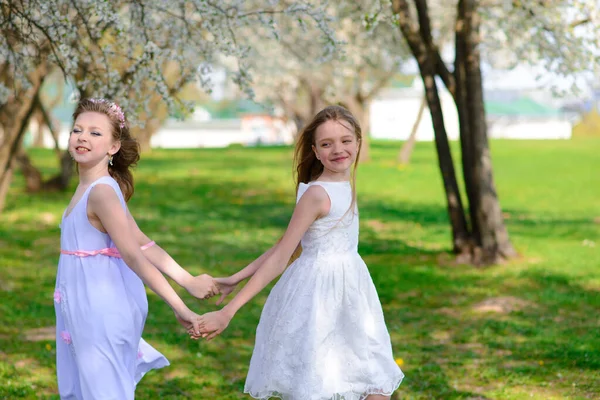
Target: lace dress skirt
(322, 334)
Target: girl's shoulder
(303, 188)
(107, 180)
(103, 191)
(333, 189)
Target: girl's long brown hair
(306, 165)
(129, 153)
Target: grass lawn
(525, 330)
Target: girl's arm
(312, 205)
(202, 286)
(105, 204)
(227, 285)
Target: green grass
(216, 210)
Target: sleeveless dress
(322, 334)
(101, 307)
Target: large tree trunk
(408, 146)
(307, 102)
(63, 178)
(14, 118)
(492, 243)
(144, 134)
(487, 242)
(420, 43)
(461, 239)
(33, 177)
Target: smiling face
(336, 147)
(91, 140)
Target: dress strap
(108, 251)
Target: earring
(110, 162)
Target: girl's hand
(202, 286)
(225, 287)
(212, 324)
(190, 321)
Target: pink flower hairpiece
(114, 109)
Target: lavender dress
(101, 307)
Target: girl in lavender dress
(100, 299)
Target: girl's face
(91, 140)
(336, 146)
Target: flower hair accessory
(113, 109)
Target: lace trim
(336, 396)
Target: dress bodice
(337, 232)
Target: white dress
(322, 335)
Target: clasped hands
(213, 323)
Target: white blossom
(119, 49)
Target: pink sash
(109, 251)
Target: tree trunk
(144, 134)
(5, 185)
(144, 138)
(32, 175)
(14, 118)
(67, 166)
(38, 135)
(492, 243)
(364, 118)
(62, 180)
(419, 40)
(461, 239)
(409, 145)
(360, 109)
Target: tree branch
(48, 122)
(425, 30)
(409, 30)
(445, 75)
(424, 22)
(380, 84)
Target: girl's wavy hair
(129, 153)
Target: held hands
(202, 286)
(225, 287)
(189, 320)
(211, 325)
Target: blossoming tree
(561, 35)
(119, 49)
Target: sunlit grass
(527, 329)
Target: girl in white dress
(322, 334)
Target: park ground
(528, 329)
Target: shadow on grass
(216, 224)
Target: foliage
(560, 36)
(119, 49)
(293, 74)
